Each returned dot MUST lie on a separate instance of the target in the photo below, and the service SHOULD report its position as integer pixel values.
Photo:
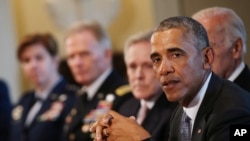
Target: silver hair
(144, 36)
(233, 25)
(94, 27)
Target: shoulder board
(122, 90)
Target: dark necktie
(84, 97)
(185, 128)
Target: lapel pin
(199, 131)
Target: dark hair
(191, 28)
(47, 40)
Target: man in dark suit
(146, 89)
(227, 36)
(89, 56)
(5, 110)
(209, 105)
(40, 113)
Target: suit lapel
(205, 108)
(174, 132)
(27, 106)
(151, 120)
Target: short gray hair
(94, 27)
(192, 29)
(136, 38)
(233, 25)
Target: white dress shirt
(43, 95)
(236, 72)
(193, 107)
(92, 89)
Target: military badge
(53, 113)
(102, 107)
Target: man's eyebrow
(169, 50)
(174, 49)
(154, 54)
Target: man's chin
(142, 96)
(172, 98)
(83, 81)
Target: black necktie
(185, 128)
(84, 97)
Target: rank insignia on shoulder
(122, 90)
(17, 112)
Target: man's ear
(208, 57)
(237, 48)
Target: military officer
(40, 113)
(89, 56)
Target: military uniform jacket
(157, 121)
(76, 128)
(48, 123)
(224, 104)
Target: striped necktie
(185, 128)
